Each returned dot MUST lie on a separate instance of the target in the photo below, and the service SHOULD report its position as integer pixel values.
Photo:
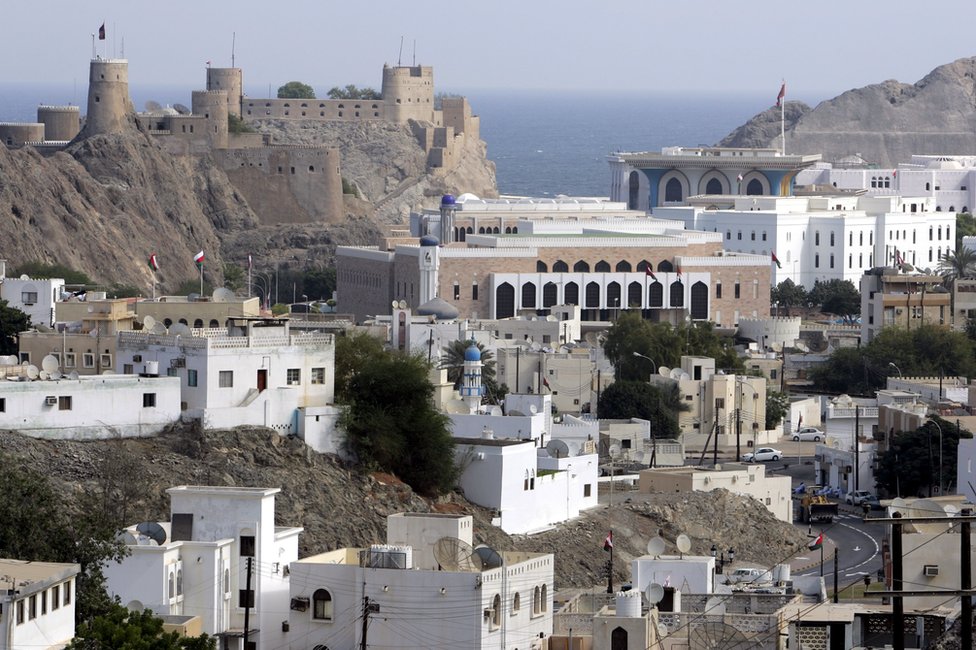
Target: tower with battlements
(408, 93)
(109, 106)
(212, 106)
(230, 80)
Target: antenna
(415, 52)
(233, 46)
(400, 54)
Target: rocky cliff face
(886, 123)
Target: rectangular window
(718, 289)
(28, 297)
(587, 490)
(737, 290)
(88, 360)
(474, 292)
(69, 360)
(67, 593)
(55, 597)
(720, 402)
(3, 404)
(148, 400)
(457, 291)
(32, 607)
(127, 368)
(43, 602)
(293, 376)
(226, 379)
(64, 403)
(191, 378)
(171, 372)
(247, 545)
(20, 612)
(318, 375)
(106, 361)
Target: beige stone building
(891, 298)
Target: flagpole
(610, 563)
(782, 119)
(201, 278)
(249, 294)
(154, 284)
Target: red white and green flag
(608, 542)
(679, 272)
(781, 96)
(153, 262)
(649, 273)
(817, 543)
(776, 261)
(198, 260)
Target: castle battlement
(65, 109)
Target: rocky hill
(338, 506)
(885, 123)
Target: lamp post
(653, 364)
(932, 420)
(892, 364)
(653, 433)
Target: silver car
(762, 454)
(808, 434)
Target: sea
(543, 143)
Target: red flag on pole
(649, 273)
(101, 32)
(817, 543)
(781, 95)
(608, 542)
(776, 261)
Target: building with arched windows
(646, 180)
(605, 264)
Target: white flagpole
(782, 118)
(154, 284)
(201, 277)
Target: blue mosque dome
(447, 199)
(472, 353)
(429, 240)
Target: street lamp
(892, 364)
(653, 364)
(932, 420)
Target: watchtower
(61, 123)
(212, 105)
(109, 106)
(408, 92)
(230, 80)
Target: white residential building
(87, 407)
(196, 564)
(689, 574)
(255, 372)
(966, 469)
(491, 600)
(37, 605)
(36, 297)
(825, 237)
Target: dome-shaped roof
(447, 199)
(429, 240)
(472, 353)
(467, 196)
(944, 163)
(438, 308)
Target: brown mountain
(885, 123)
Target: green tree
(319, 283)
(237, 125)
(296, 90)
(353, 351)
(43, 270)
(391, 423)
(910, 466)
(965, 227)
(234, 277)
(120, 290)
(121, 629)
(352, 92)
(452, 359)
(777, 408)
(960, 263)
(12, 323)
(657, 403)
(193, 286)
(788, 294)
(838, 297)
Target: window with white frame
(293, 377)
(322, 606)
(225, 379)
(318, 375)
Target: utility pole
(836, 562)
(247, 602)
(966, 567)
(857, 447)
(897, 603)
(368, 608)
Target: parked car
(749, 575)
(857, 497)
(762, 454)
(808, 434)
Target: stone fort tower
(109, 106)
(230, 80)
(212, 106)
(408, 92)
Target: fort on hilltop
(282, 183)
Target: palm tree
(956, 265)
(452, 359)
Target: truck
(816, 507)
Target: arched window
(665, 266)
(528, 296)
(560, 266)
(183, 321)
(602, 267)
(592, 295)
(481, 230)
(613, 296)
(754, 188)
(643, 265)
(214, 322)
(505, 301)
(623, 266)
(633, 190)
(516, 602)
(540, 267)
(752, 236)
(634, 295)
(831, 238)
(860, 238)
(172, 585)
(714, 186)
(198, 323)
(655, 295)
(581, 267)
(928, 186)
(545, 597)
(618, 639)
(226, 581)
(728, 234)
(495, 230)
(874, 181)
(550, 294)
(672, 191)
(536, 601)
(322, 605)
(816, 238)
(677, 294)
(699, 301)
(179, 582)
(508, 230)
(571, 293)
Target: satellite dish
(41, 327)
(32, 372)
(159, 329)
(639, 456)
(453, 554)
(675, 373)
(683, 542)
(153, 531)
(533, 409)
(684, 376)
(44, 375)
(614, 451)
(396, 304)
(223, 294)
(148, 323)
(181, 109)
(655, 546)
(928, 508)
(664, 371)
(93, 333)
(951, 510)
(403, 304)
(898, 505)
(557, 449)
(56, 375)
(654, 593)
(490, 558)
(179, 329)
(24, 276)
(74, 375)
(193, 297)
(715, 606)
(152, 106)
(127, 538)
(108, 372)
(50, 363)
(662, 630)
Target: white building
(87, 407)
(689, 574)
(965, 468)
(36, 297)
(826, 237)
(253, 372)
(949, 181)
(196, 564)
(502, 602)
(37, 605)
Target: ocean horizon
(543, 143)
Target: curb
(828, 546)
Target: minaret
(448, 208)
(109, 106)
(429, 266)
(471, 388)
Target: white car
(762, 454)
(807, 434)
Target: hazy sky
(821, 49)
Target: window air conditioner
(50, 400)
(931, 570)
(299, 604)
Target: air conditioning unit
(136, 358)
(299, 604)
(50, 400)
(931, 570)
